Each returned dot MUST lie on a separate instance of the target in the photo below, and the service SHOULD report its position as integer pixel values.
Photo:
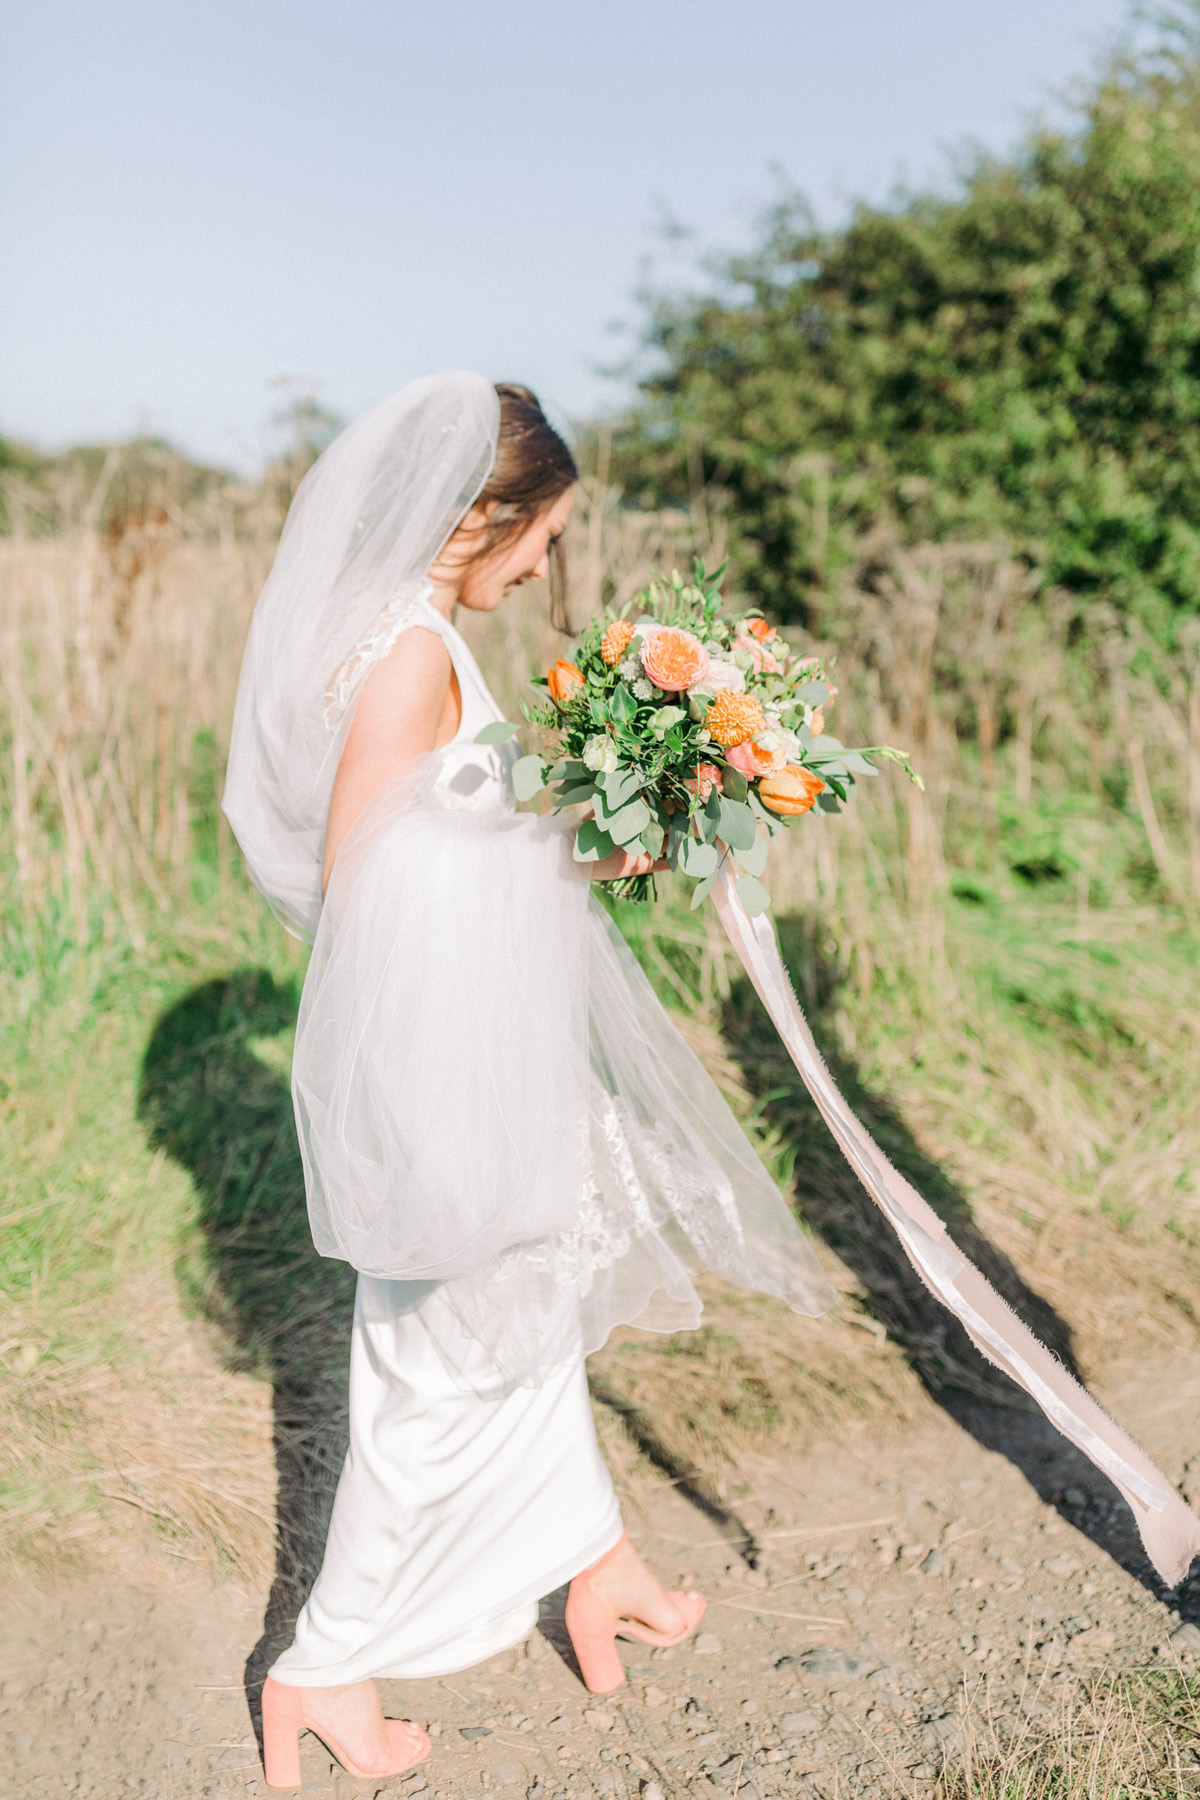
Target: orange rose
(673, 659)
(734, 717)
(791, 790)
(616, 641)
(754, 759)
(563, 679)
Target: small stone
(797, 1723)
(1075, 1496)
(600, 1721)
(510, 1774)
(828, 1663)
(924, 1771)
(651, 1791)
(473, 1732)
(708, 1644)
(1186, 1637)
(654, 1696)
(935, 1562)
(1062, 1566)
(854, 1596)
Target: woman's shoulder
(410, 636)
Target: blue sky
(200, 198)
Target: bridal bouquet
(690, 734)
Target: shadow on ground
(284, 1312)
(978, 1397)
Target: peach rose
(673, 659)
(563, 678)
(755, 759)
(733, 717)
(791, 790)
(708, 777)
(616, 641)
(761, 659)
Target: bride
(501, 1130)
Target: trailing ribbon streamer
(1169, 1528)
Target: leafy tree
(1022, 357)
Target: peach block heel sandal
(593, 1628)
(283, 1719)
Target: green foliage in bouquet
(690, 735)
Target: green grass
(1034, 1076)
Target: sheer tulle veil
(367, 520)
(493, 1108)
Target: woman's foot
(624, 1582)
(354, 1720)
(349, 1721)
(618, 1594)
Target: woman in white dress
(502, 1132)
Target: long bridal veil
(493, 1107)
(367, 520)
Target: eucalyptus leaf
(753, 895)
(621, 785)
(829, 802)
(737, 825)
(812, 693)
(733, 783)
(665, 717)
(754, 859)
(627, 822)
(591, 843)
(653, 838)
(698, 859)
(528, 777)
(677, 836)
(498, 732)
(580, 795)
(703, 889)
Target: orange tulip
(791, 790)
(563, 679)
(760, 629)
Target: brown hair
(533, 467)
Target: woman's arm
(409, 706)
(402, 714)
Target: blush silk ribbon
(1170, 1530)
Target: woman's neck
(444, 597)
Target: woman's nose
(542, 570)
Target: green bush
(1022, 358)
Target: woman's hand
(619, 865)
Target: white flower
(600, 755)
(775, 739)
(644, 690)
(718, 675)
(630, 669)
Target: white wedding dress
(502, 1131)
(457, 1509)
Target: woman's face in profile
(483, 583)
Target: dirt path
(857, 1601)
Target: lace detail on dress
(396, 617)
(637, 1185)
